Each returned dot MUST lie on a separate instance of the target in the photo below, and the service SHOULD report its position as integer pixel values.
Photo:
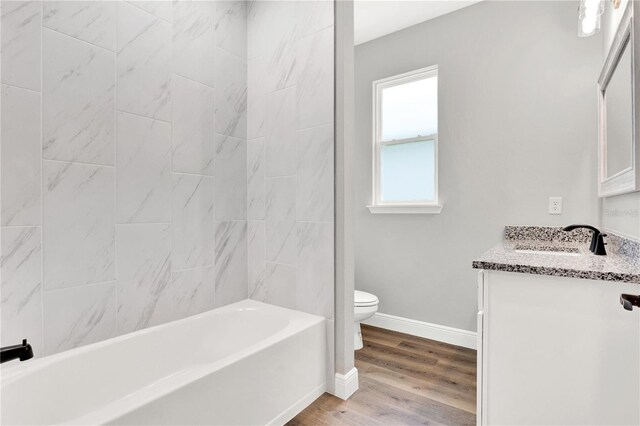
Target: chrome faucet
(22, 352)
(597, 239)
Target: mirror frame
(627, 180)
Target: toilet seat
(364, 299)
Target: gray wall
(621, 213)
(123, 205)
(517, 125)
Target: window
(405, 143)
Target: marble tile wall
(290, 171)
(123, 166)
(290, 158)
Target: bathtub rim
(10, 374)
(122, 406)
(298, 322)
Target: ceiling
(376, 18)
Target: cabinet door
(559, 351)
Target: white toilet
(364, 306)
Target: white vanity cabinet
(556, 350)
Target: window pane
(408, 171)
(410, 110)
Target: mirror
(618, 115)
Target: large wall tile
(231, 178)
(21, 35)
(280, 49)
(93, 21)
(315, 174)
(231, 26)
(21, 288)
(78, 316)
(79, 224)
(21, 157)
(258, 18)
(231, 94)
(315, 268)
(144, 276)
(193, 291)
(143, 63)
(279, 286)
(192, 221)
(313, 16)
(281, 219)
(78, 101)
(255, 179)
(256, 99)
(193, 128)
(256, 256)
(143, 169)
(231, 262)
(315, 78)
(193, 40)
(159, 8)
(281, 133)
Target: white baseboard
(346, 384)
(297, 408)
(441, 333)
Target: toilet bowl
(364, 306)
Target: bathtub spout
(22, 352)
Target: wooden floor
(404, 380)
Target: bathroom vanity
(555, 345)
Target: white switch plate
(555, 205)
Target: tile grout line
(131, 3)
(81, 163)
(257, 138)
(192, 174)
(15, 86)
(244, 60)
(134, 113)
(20, 226)
(79, 286)
(190, 79)
(76, 38)
(141, 223)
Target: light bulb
(592, 4)
(590, 12)
(589, 24)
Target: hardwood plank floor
(404, 380)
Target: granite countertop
(622, 263)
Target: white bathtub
(247, 363)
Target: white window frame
(411, 207)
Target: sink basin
(555, 251)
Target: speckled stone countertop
(622, 262)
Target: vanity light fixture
(589, 14)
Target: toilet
(364, 306)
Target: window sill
(406, 209)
